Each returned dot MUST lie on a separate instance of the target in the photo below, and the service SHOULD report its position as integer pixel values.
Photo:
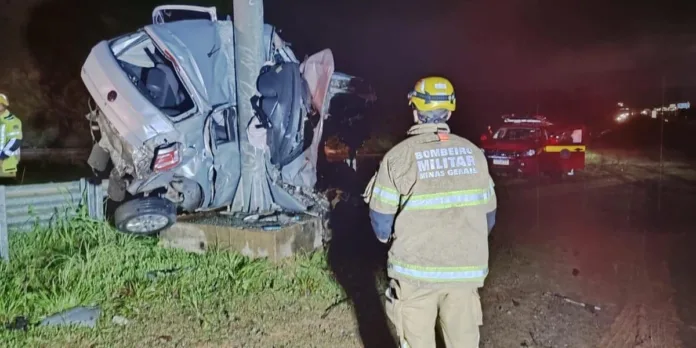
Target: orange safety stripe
(559, 148)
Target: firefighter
(434, 199)
(10, 139)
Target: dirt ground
(614, 239)
(598, 260)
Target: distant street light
(622, 117)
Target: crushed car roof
(202, 50)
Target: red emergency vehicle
(532, 145)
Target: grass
(85, 262)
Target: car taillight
(166, 158)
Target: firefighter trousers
(414, 310)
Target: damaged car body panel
(318, 71)
(167, 117)
(174, 72)
(203, 54)
(203, 50)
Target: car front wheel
(145, 216)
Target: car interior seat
(285, 101)
(163, 86)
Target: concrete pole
(253, 194)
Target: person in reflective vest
(10, 139)
(434, 200)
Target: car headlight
(529, 153)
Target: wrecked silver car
(166, 114)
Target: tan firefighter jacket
(435, 188)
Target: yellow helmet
(3, 100)
(432, 93)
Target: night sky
(570, 59)
(573, 59)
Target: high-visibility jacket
(436, 188)
(10, 143)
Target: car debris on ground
(78, 316)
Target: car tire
(145, 216)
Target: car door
(547, 160)
(568, 152)
(577, 147)
(224, 144)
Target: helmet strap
(432, 119)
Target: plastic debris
(119, 320)
(590, 307)
(79, 316)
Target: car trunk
(132, 115)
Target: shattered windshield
(514, 134)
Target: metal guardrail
(34, 154)
(26, 207)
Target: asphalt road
(620, 237)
